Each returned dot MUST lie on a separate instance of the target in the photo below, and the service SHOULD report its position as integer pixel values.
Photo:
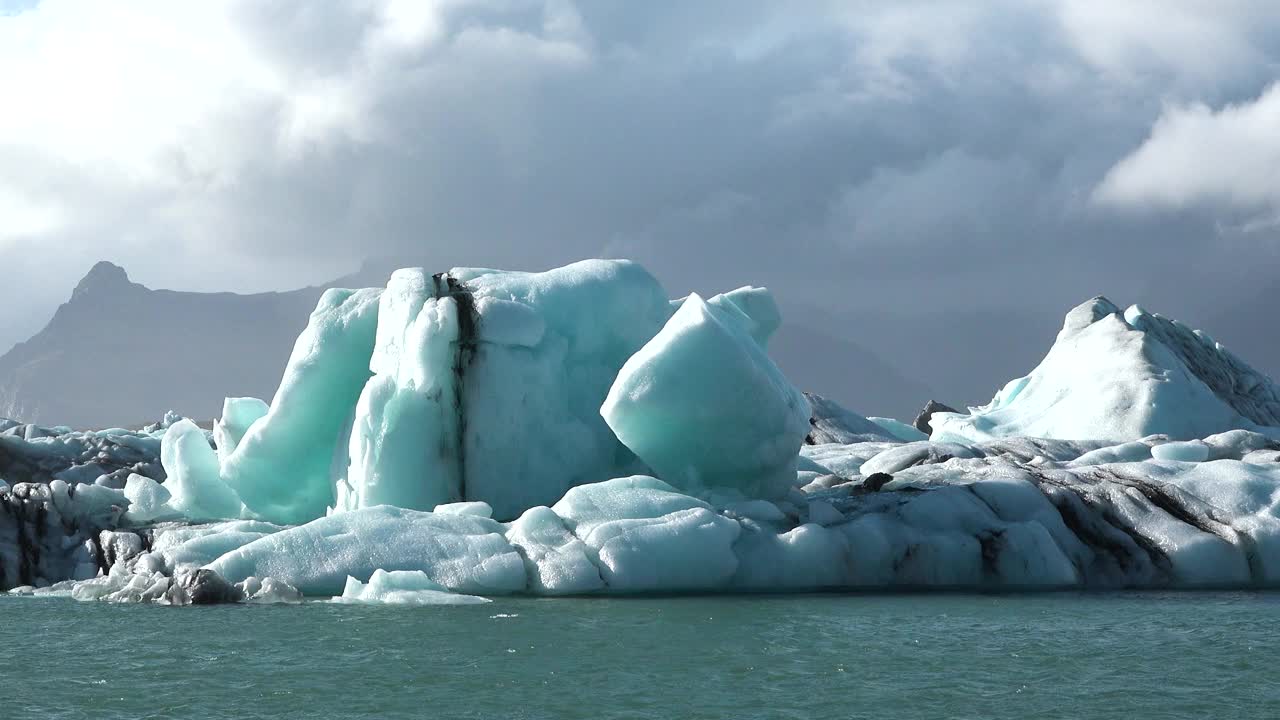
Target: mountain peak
(102, 275)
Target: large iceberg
(487, 385)
(479, 433)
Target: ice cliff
(479, 432)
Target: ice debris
(403, 587)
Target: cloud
(1197, 155)
(876, 145)
(1190, 46)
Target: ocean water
(1061, 655)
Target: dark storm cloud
(881, 165)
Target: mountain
(120, 353)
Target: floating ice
(238, 415)
(147, 498)
(643, 534)
(704, 406)
(195, 485)
(282, 469)
(464, 553)
(1123, 376)
(1138, 454)
(403, 587)
(1189, 451)
(557, 562)
(832, 423)
(268, 591)
(487, 385)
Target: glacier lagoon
(460, 436)
(1096, 655)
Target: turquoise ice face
(704, 406)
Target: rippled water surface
(1136, 655)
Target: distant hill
(119, 353)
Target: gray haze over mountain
(935, 182)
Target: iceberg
(1120, 376)
(403, 587)
(645, 535)
(195, 485)
(487, 385)
(463, 553)
(831, 423)
(572, 432)
(282, 467)
(704, 406)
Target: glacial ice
(481, 433)
(196, 489)
(831, 423)
(282, 468)
(238, 415)
(487, 385)
(403, 587)
(463, 553)
(1119, 376)
(705, 407)
(148, 499)
(643, 534)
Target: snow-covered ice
(1120, 376)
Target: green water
(1136, 655)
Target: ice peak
(1121, 376)
(1086, 314)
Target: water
(1136, 655)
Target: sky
(910, 175)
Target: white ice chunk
(899, 429)
(644, 535)
(238, 415)
(464, 553)
(488, 385)
(268, 591)
(558, 563)
(147, 499)
(704, 407)
(402, 587)
(186, 546)
(809, 557)
(479, 509)
(1189, 451)
(1133, 451)
(283, 467)
(1120, 377)
(196, 490)
(822, 512)
(899, 457)
(758, 510)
